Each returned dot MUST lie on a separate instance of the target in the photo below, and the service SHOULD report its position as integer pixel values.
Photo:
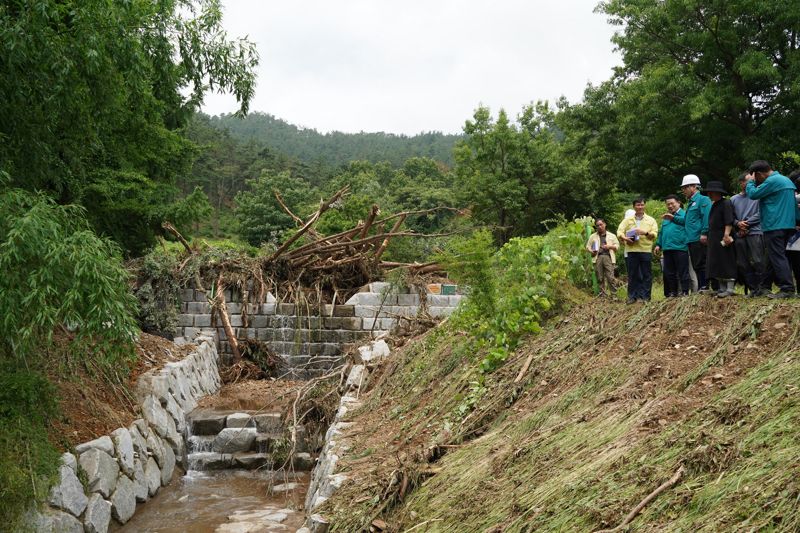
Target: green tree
(260, 217)
(92, 95)
(704, 87)
(56, 274)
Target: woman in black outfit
(721, 259)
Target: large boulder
(69, 460)
(103, 443)
(233, 440)
(210, 461)
(156, 448)
(68, 494)
(174, 410)
(156, 416)
(138, 440)
(139, 480)
(169, 466)
(153, 476)
(98, 515)
(269, 422)
(207, 423)
(52, 521)
(123, 501)
(101, 471)
(240, 420)
(123, 444)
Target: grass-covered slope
(585, 420)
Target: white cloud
(411, 66)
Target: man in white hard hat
(695, 220)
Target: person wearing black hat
(721, 260)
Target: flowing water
(228, 501)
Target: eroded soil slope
(583, 422)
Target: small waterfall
(200, 443)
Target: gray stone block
(437, 300)
(103, 443)
(236, 320)
(268, 309)
(185, 320)
(439, 311)
(198, 308)
(123, 445)
(98, 515)
(251, 461)
(67, 493)
(55, 521)
(240, 420)
(101, 471)
(123, 501)
(268, 422)
(372, 299)
(187, 295)
(258, 321)
(387, 323)
(408, 299)
(153, 476)
(191, 333)
(210, 461)
(286, 309)
(454, 300)
(233, 440)
(202, 321)
(203, 423)
(234, 308)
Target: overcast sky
(410, 66)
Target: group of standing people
(752, 236)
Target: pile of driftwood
(310, 268)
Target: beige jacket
(593, 244)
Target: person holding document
(638, 232)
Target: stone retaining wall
(312, 340)
(131, 464)
(326, 479)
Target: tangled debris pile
(308, 268)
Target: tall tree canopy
(92, 95)
(705, 86)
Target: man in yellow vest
(638, 233)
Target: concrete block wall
(310, 340)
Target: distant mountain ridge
(336, 148)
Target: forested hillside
(336, 148)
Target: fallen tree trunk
(222, 312)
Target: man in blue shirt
(695, 221)
(775, 195)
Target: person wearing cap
(603, 246)
(751, 256)
(695, 221)
(671, 242)
(638, 233)
(721, 260)
(776, 196)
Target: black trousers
(697, 254)
(775, 241)
(751, 260)
(794, 262)
(676, 272)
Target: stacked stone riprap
(312, 340)
(325, 479)
(245, 440)
(132, 464)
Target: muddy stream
(228, 501)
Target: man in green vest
(695, 222)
